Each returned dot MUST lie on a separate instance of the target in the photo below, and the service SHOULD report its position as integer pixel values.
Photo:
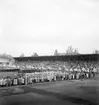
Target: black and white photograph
(49, 52)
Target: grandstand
(58, 65)
(53, 67)
(54, 63)
(85, 57)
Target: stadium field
(70, 92)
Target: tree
(35, 54)
(76, 51)
(71, 51)
(22, 55)
(96, 52)
(56, 52)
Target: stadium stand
(28, 70)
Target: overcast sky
(41, 26)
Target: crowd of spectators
(79, 66)
(50, 71)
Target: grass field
(74, 92)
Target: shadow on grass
(62, 97)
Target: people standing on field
(52, 71)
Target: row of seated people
(29, 78)
(60, 65)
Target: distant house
(6, 67)
(4, 61)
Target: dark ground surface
(69, 92)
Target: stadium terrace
(29, 70)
